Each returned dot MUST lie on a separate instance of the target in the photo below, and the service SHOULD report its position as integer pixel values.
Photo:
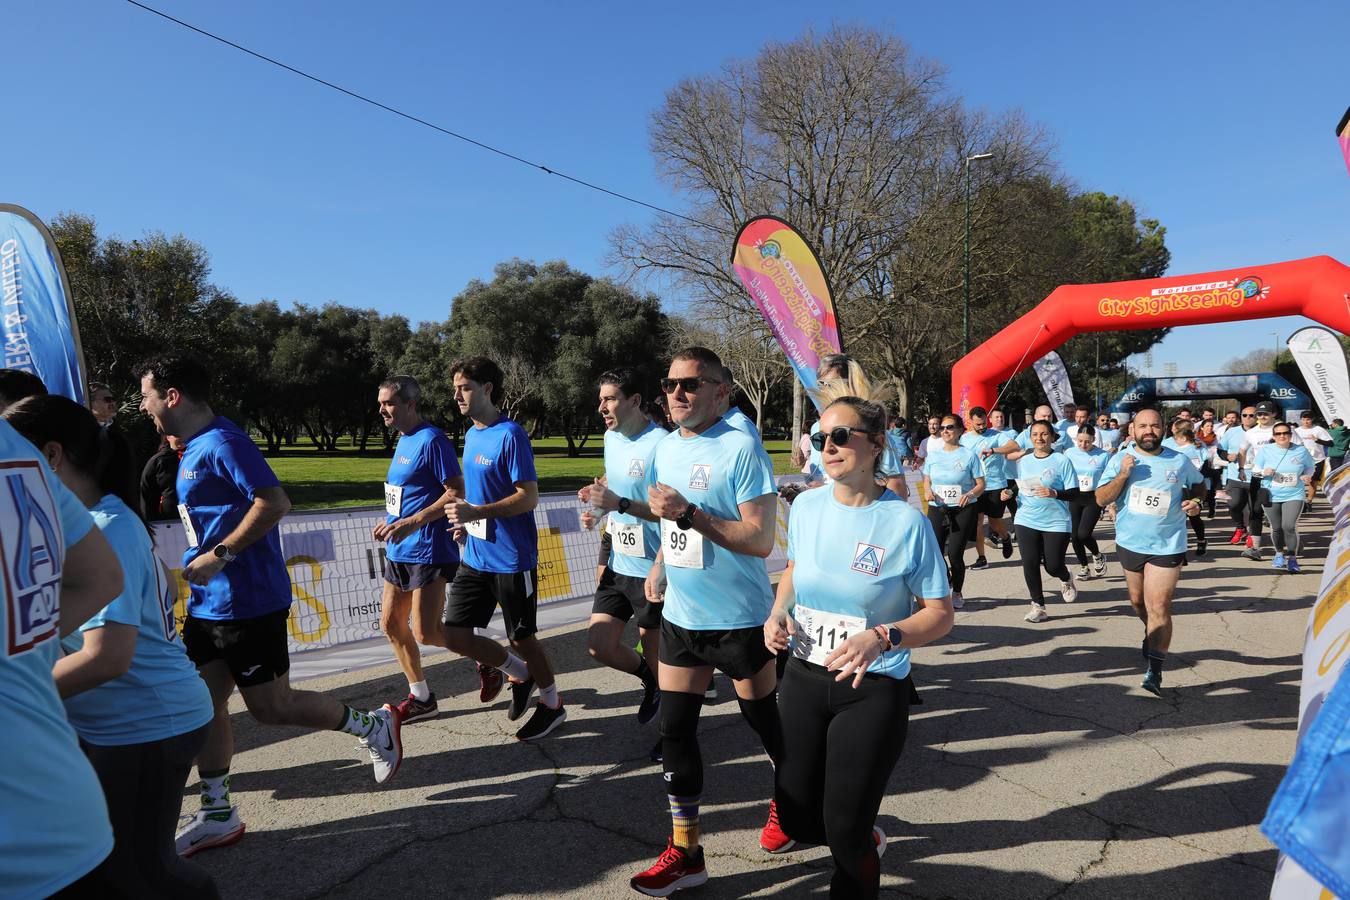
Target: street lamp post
(1273, 359)
(965, 308)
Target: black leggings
(1244, 505)
(955, 528)
(1037, 547)
(1084, 515)
(1198, 526)
(143, 784)
(841, 745)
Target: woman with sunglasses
(1285, 469)
(1088, 461)
(1183, 441)
(1208, 440)
(865, 583)
(953, 480)
(1046, 481)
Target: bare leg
(218, 750)
(394, 608)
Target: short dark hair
(15, 384)
(1207, 409)
(979, 411)
(479, 369)
(178, 371)
(1086, 428)
(700, 355)
(627, 380)
(1082, 407)
(405, 387)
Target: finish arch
(1248, 389)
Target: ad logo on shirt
(484, 460)
(700, 477)
(867, 559)
(404, 461)
(189, 474)
(637, 468)
(32, 551)
(1171, 477)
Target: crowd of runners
(119, 707)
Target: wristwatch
(685, 520)
(894, 636)
(624, 503)
(223, 552)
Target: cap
(1265, 406)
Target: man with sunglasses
(1236, 483)
(714, 497)
(1253, 439)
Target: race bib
(1085, 482)
(393, 499)
(1029, 485)
(682, 548)
(1198, 461)
(627, 538)
(477, 528)
(820, 633)
(948, 494)
(187, 525)
(1149, 502)
(1284, 479)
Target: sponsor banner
(1206, 386)
(1228, 295)
(38, 321)
(784, 277)
(1055, 379)
(1321, 359)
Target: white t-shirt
(1072, 434)
(1309, 437)
(1255, 437)
(929, 445)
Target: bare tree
(745, 345)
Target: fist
(1127, 463)
(665, 501)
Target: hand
(1043, 491)
(458, 534)
(396, 530)
(778, 629)
(588, 519)
(1127, 463)
(854, 655)
(1005, 495)
(203, 568)
(986, 453)
(459, 513)
(1193, 509)
(599, 496)
(666, 502)
(1267, 472)
(967, 497)
(651, 587)
(1306, 479)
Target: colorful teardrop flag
(1343, 135)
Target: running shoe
(413, 710)
(651, 702)
(1252, 553)
(1293, 566)
(1037, 614)
(385, 743)
(1238, 535)
(675, 869)
(1278, 561)
(1068, 589)
(711, 692)
(521, 692)
(207, 829)
(980, 563)
(1007, 548)
(657, 754)
(879, 838)
(1152, 682)
(1099, 565)
(772, 838)
(544, 720)
(1082, 571)
(957, 600)
(490, 683)
(1201, 547)
(1250, 542)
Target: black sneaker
(1007, 548)
(1200, 548)
(658, 752)
(651, 701)
(542, 722)
(520, 699)
(980, 563)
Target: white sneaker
(385, 743)
(1037, 614)
(1068, 590)
(1098, 566)
(1082, 571)
(208, 829)
(957, 600)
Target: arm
(269, 506)
(106, 655)
(854, 656)
(974, 492)
(398, 529)
(522, 500)
(897, 485)
(1108, 492)
(601, 497)
(779, 627)
(90, 579)
(751, 535)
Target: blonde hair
(858, 393)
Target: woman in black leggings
(1088, 461)
(953, 480)
(865, 583)
(1045, 482)
(1183, 441)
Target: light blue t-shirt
(1193, 452)
(994, 466)
(495, 458)
(871, 562)
(717, 471)
(1231, 445)
(1061, 442)
(959, 466)
(53, 819)
(1162, 477)
(1087, 466)
(161, 695)
(1293, 464)
(889, 466)
(1045, 513)
(1110, 437)
(424, 460)
(630, 470)
(741, 422)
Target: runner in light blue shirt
(1088, 462)
(1045, 483)
(1286, 471)
(983, 439)
(1183, 441)
(953, 482)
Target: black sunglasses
(838, 435)
(946, 428)
(1279, 433)
(690, 385)
(1249, 415)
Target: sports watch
(685, 520)
(894, 637)
(223, 552)
(624, 503)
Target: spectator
(159, 489)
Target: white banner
(1322, 361)
(1055, 379)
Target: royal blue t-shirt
(945, 467)
(1044, 513)
(1290, 466)
(53, 819)
(220, 475)
(869, 562)
(1156, 484)
(424, 460)
(995, 465)
(717, 471)
(630, 469)
(495, 459)
(161, 695)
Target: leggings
(143, 784)
(1198, 526)
(1037, 546)
(1214, 478)
(841, 745)
(1084, 515)
(954, 527)
(1244, 505)
(1284, 525)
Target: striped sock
(684, 821)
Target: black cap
(1265, 406)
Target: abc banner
(1055, 379)
(1321, 359)
(39, 316)
(787, 282)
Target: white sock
(549, 696)
(419, 690)
(515, 667)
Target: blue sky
(1216, 118)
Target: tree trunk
(797, 411)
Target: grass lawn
(349, 478)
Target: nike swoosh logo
(250, 671)
(388, 739)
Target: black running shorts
(738, 652)
(254, 650)
(623, 597)
(474, 595)
(1135, 562)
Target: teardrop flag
(1343, 135)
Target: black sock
(644, 672)
(1155, 662)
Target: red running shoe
(1250, 543)
(1238, 535)
(773, 839)
(675, 869)
(490, 683)
(413, 710)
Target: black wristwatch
(624, 503)
(685, 520)
(894, 636)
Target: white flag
(1322, 362)
(1055, 379)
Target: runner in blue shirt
(1045, 483)
(230, 504)
(54, 829)
(982, 439)
(865, 583)
(953, 481)
(501, 550)
(1286, 471)
(1088, 460)
(714, 496)
(141, 710)
(620, 595)
(420, 556)
(1183, 442)
(1154, 490)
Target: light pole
(965, 308)
(1276, 335)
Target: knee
(393, 626)
(458, 640)
(430, 633)
(268, 712)
(679, 715)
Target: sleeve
(1190, 474)
(75, 519)
(751, 475)
(927, 466)
(442, 460)
(1309, 464)
(125, 608)
(792, 534)
(927, 575)
(973, 467)
(1024, 440)
(519, 456)
(1111, 469)
(1068, 475)
(243, 464)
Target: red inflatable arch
(1317, 287)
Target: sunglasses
(1249, 415)
(1282, 433)
(839, 436)
(689, 385)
